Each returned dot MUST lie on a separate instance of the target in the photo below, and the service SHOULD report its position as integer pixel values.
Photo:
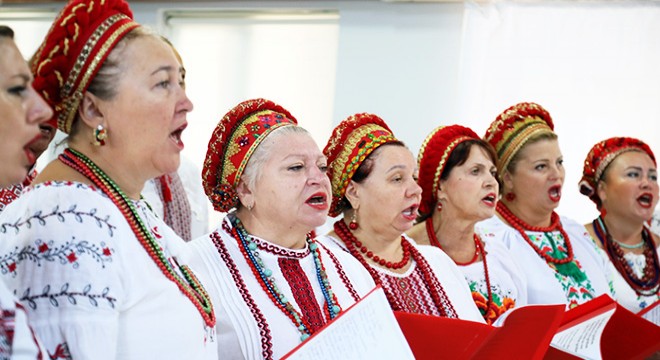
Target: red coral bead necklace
(347, 237)
(479, 250)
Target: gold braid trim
(71, 101)
(443, 159)
(233, 147)
(346, 163)
(519, 136)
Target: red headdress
(77, 44)
(514, 127)
(600, 156)
(234, 140)
(433, 154)
(350, 143)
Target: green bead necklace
(189, 284)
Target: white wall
(414, 65)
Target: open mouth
(555, 193)
(319, 201)
(411, 212)
(645, 200)
(490, 199)
(31, 156)
(176, 135)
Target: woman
(22, 110)
(458, 177)
(273, 285)
(373, 185)
(555, 251)
(87, 258)
(178, 197)
(37, 147)
(620, 176)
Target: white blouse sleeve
(59, 254)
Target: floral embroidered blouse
(546, 285)
(623, 293)
(508, 283)
(90, 289)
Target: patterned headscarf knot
(514, 127)
(349, 145)
(75, 48)
(234, 140)
(599, 158)
(433, 155)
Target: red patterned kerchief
(432, 158)
(514, 127)
(77, 44)
(234, 140)
(600, 156)
(350, 143)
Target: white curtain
(593, 65)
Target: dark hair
(6, 31)
(458, 157)
(364, 170)
(461, 153)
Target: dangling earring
(100, 135)
(510, 196)
(603, 212)
(353, 225)
(439, 206)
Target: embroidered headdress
(77, 44)
(514, 127)
(600, 156)
(234, 140)
(433, 155)
(350, 143)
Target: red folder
(525, 334)
(626, 335)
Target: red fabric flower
(227, 156)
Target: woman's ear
(89, 110)
(441, 194)
(507, 182)
(245, 195)
(601, 190)
(353, 194)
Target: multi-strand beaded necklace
(351, 242)
(189, 285)
(265, 277)
(649, 284)
(479, 250)
(564, 263)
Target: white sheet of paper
(653, 315)
(583, 339)
(368, 330)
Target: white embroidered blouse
(250, 325)
(90, 288)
